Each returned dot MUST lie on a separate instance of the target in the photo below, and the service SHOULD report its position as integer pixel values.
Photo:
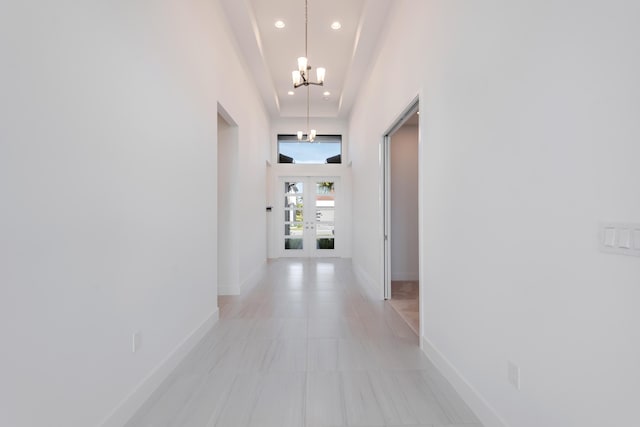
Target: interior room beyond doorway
(403, 221)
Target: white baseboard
(254, 277)
(227, 289)
(366, 279)
(249, 282)
(134, 401)
(480, 407)
(405, 277)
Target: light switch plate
(620, 238)
(610, 237)
(624, 238)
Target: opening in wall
(228, 259)
(401, 213)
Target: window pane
(293, 243)
(293, 202)
(293, 215)
(325, 149)
(325, 243)
(325, 215)
(294, 187)
(324, 230)
(325, 202)
(293, 229)
(325, 187)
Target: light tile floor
(306, 347)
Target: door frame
(227, 259)
(386, 237)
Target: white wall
(530, 130)
(404, 203)
(343, 171)
(108, 196)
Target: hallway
(307, 346)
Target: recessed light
(336, 25)
(291, 92)
(279, 24)
(327, 93)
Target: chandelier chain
(308, 110)
(306, 28)
(306, 53)
(301, 76)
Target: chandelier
(301, 75)
(311, 134)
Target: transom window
(324, 149)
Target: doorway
(401, 200)
(228, 258)
(309, 208)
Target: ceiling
(272, 53)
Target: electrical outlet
(135, 342)
(513, 374)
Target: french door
(309, 216)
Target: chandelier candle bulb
(321, 73)
(297, 78)
(302, 64)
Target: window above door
(325, 149)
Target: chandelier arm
(296, 86)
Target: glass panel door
(294, 215)
(325, 214)
(309, 216)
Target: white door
(309, 214)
